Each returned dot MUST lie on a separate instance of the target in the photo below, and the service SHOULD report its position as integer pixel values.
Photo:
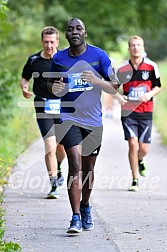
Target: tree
(108, 24)
(5, 27)
(5, 75)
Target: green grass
(6, 246)
(16, 133)
(160, 115)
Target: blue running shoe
(75, 225)
(87, 223)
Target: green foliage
(6, 77)
(17, 133)
(161, 104)
(15, 137)
(107, 22)
(157, 49)
(5, 27)
(6, 246)
(3, 10)
(9, 247)
(2, 225)
(5, 168)
(101, 19)
(7, 92)
(151, 14)
(52, 14)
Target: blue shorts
(137, 128)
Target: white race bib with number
(52, 106)
(136, 92)
(75, 83)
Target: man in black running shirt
(47, 105)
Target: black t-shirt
(36, 67)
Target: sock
(59, 173)
(82, 205)
(135, 182)
(53, 181)
(58, 166)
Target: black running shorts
(47, 123)
(71, 134)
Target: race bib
(75, 83)
(52, 106)
(136, 92)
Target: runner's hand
(146, 97)
(27, 94)
(122, 99)
(58, 86)
(89, 76)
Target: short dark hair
(76, 19)
(49, 30)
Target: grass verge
(160, 115)
(16, 133)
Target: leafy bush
(7, 93)
(161, 104)
(157, 48)
(17, 138)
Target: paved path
(124, 221)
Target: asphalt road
(124, 221)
